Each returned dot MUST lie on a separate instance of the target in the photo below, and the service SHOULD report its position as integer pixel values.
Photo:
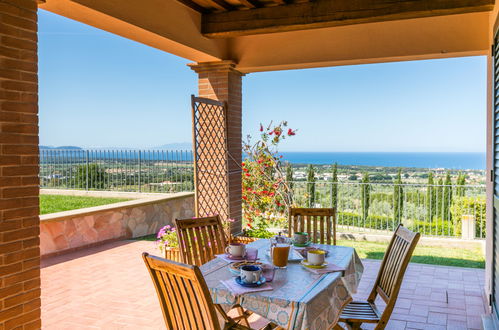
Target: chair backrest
(319, 223)
(183, 295)
(200, 239)
(392, 270)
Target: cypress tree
(334, 188)
(431, 209)
(461, 181)
(398, 198)
(311, 186)
(447, 197)
(289, 176)
(365, 190)
(439, 198)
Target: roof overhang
(175, 28)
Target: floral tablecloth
(299, 299)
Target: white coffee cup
(316, 257)
(251, 274)
(236, 249)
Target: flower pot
(172, 253)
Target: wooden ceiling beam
(193, 5)
(327, 13)
(221, 4)
(251, 3)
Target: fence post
(140, 169)
(468, 230)
(86, 174)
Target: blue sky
(98, 90)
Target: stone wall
(70, 230)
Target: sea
(450, 160)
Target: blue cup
(251, 274)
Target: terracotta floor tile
(108, 287)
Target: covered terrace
(225, 39)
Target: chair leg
(353, 325)
(243, 315)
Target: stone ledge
(109, 207)
(77, 229)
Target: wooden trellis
(210, 157)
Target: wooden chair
(184, 297)
(387, 285)
(200, 239)
(319, 223)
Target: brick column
(221, 81)
(19, 220)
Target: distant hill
(169, 146)
(61, 147)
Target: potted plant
(168, 243)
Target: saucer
(305, 263)
(251, 285)
(302, 244)
(231, 257)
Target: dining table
(299, 299)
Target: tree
(447, 197)
(311, 185)
(365, 190)
(398, 198)
(430, 197)
(439, 198)
(90, 176)
(461, 182)
(334, 188)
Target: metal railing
(117, 170)
(436, 210)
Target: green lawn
(435, 255)
(59, 203)
(432, 255)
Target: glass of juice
(279, 251)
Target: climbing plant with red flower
(266, 194)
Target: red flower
(245, 198)
(271, 133)
(291, 132)
(247, 174)
(277, 132)
(261, 128)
